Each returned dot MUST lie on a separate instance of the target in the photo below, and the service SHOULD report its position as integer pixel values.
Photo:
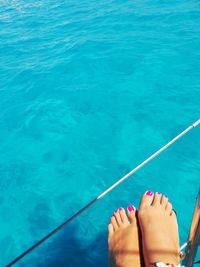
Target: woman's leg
(123, 241)
(160, 239)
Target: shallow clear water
(87, 91)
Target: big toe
(131, 213)
(147, 199)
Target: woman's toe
(147, 199)
(118, 217)
(164, 201)
(114, 223)
(110, 230)
(131, 213)
(157, 199)
(173, 213)
(169, 208)
(123, 215)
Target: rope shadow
(66, 250)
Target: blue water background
(88, 90)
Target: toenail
(149, 193)
(115, 211)
(165, 196)
(121, 209)
(131, 208)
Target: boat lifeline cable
(103, 194)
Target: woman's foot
(123, 241)
(160, 239)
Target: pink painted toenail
(158, 193)
(121, 209)
(149, 193)
(115, 211)
(131, 208)
(165, 196)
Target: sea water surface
(88, 90)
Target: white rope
(149, 159)
(184, 245)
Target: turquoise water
(88, 90)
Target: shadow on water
(68, 250)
